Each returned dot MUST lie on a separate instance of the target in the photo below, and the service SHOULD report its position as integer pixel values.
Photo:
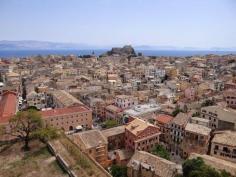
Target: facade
(115, 137)
(162, 121)
(68, 118)
(220, 118)
(94, 144)
(144, 164)
(113, 113)
(196, 139)
(177, 126)
(190, 93)
(125, 101)
(230, 98)
(141, 135)
(39, 100)
(223, 146)
(8, 106)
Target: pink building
(189, 93)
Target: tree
(176, 111)
(110, 123)
(27, 125)
(208, 103)
(192, 165)
(197, 168)
(118, 171)
(160, 151)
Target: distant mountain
(45, 45)
(41, 45)
(163, 47)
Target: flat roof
(200, 119)
(91, 138)
(226, 138)
(113, 131)
(199, 129)
(142, 109)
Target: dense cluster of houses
(186, 104)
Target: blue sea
(177, 53)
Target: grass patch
(76, 154)
(43, 153)
(54, 165)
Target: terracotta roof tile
(62, 111)
(163, 118)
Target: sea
(178, 53)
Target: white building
(144, 111)
(125, 101)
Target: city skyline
(201, 24)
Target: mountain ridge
(47, 45)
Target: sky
(179, 23)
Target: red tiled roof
(163, 118)
(8, 106)
(63, 111)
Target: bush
(197, 168)
(119, 171)
(160, 151)
(110, 124)
(208, 103)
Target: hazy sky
(190, 23)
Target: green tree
(110, 123)
(197, 168)
(160, 151)
(192, 165)
(118, 171)
(176, 111)
(208, 103)
(28, 125)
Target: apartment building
(220, 118)
(223, 146)
(113, 112)
(230, 98)
(177, 126)
(196, 139)
(141, 135)
(68, 118)
(144, 111)
(125, 101)
(38, 100)
(162, 121)
(115, 137)
(94, 144)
